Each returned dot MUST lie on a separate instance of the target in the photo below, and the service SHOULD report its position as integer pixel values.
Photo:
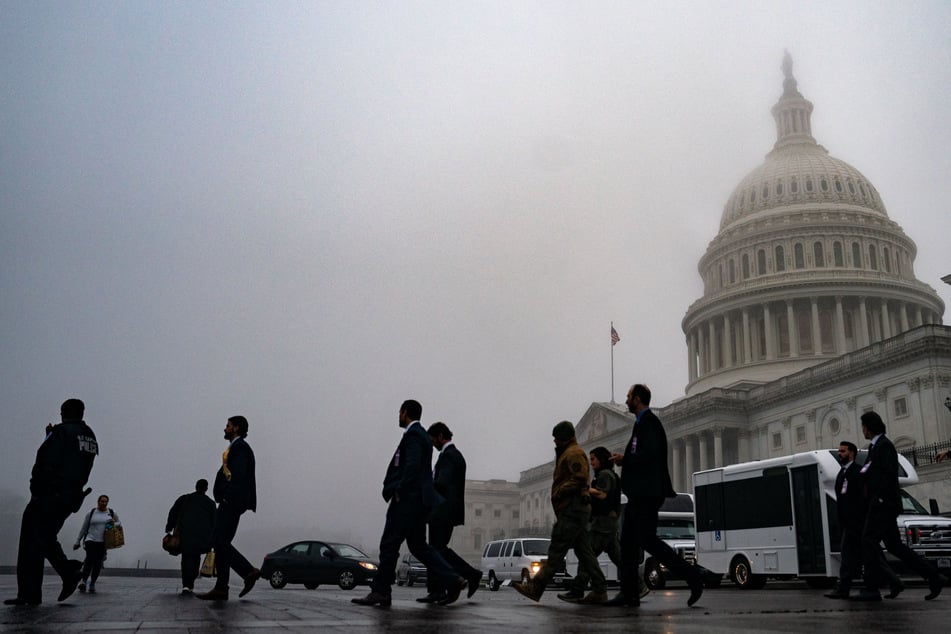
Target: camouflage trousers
(570, 532)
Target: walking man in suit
(646, 482)
(63, 463)
(880, 477)
(235, 492)
(449, 478)
(193, 517)
(852, 508)
(409, 491)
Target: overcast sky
(308, 212)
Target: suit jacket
(409, 475)
(880, 473)
(449, 478)
(240, 492)
(851, 505)
(644, 469)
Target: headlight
(368, 565)
(536, 566)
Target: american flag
(614, 336)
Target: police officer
(62, 467)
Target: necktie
(224, 464)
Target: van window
(517, 550)
(508, 549)
(492, 549)
(536, 546)
(682, 503)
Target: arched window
(838, 186)
(886, 260)
(824, 185)
(798, 254)
(732, 272)
(746, 266)
(761, 262)
(808, 184)
(818, 255)
(780, 258)
(794, 185)
(837, 253)
(779, 188)
(872, 258)
(856, 255)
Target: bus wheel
(743, 577)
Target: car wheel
(311, 585)
(654, 576)
(400, 582)
(493, 582)
(346, 580)
(277, 579)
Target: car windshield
(346, 550)
(675, 529)
(536, 546)
(911, 506)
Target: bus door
(807, 506)
(709, 511)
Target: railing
(924, 454)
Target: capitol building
(811, 314)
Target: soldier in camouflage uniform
(572, 505)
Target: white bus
(777, 518)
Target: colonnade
(790, 328)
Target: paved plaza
(139, 604)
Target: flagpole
(612, 364)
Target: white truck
(777, 518)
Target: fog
(306, 213)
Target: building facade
(811, 314)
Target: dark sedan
(314, 563)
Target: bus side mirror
(933, 503)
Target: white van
(516, 559)
(777, 518)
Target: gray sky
(308, 212)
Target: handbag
(172, 543)
(113, 536)
(208, 565)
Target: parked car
(410, 570)
(313, 563)
(516, 559)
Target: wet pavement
(136, 604)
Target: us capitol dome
(806, 266)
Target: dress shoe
(622, 600)
(837, 594)
(594, 598)
(572, 596)
(71, 581)
(935, 585)
(213, 595)
(374, 598)
(432, 597)
(696, 589)
(249, 582)
(895, 588)
(453, 592)
(186, 592)
(866, 595)
(643, 590)
(473, 584)
(527, 589)
(19, 601)
(82, 586)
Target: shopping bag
(208, 565)
(113, 536)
